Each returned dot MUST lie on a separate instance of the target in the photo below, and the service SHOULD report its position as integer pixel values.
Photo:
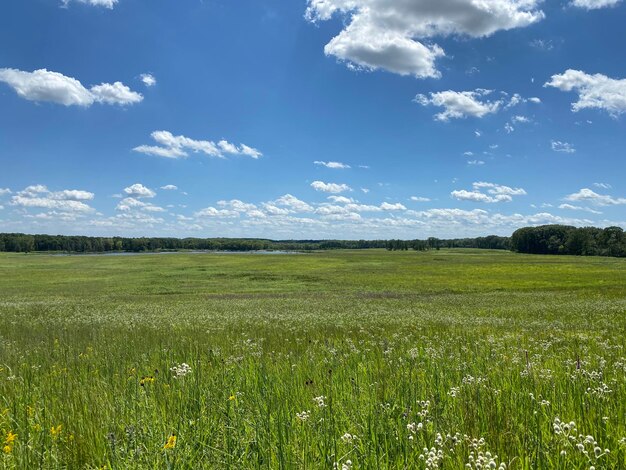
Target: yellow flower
(54, 432)
(7, 449)
(11, 438)
(171, 442)
(232, 397)
(146, 380)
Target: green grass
(485, 349)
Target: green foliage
(566, 240)
(304, 361)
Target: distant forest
(546, 239)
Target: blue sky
(311, 119)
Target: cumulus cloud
(4, 191)
(578, 208)
(39, 196)
(130, 203)
(396, 35)
(334, 165)
(148, 79)
(98, 3)
(594, 91)
(494, 193)
(392, 207)
(292, 203)
(460, 104)
(588, 195)
(594, 4)
(54, 87)
(330, 187)
(171, 146)
(564, 147)
(138, 190)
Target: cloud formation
(594, 91)
(334, 165)
(67, 200)
(460, 104)
(330, 187)
(138, 190)
(588, 195)
(494, 193)
(396, 35)
(179, 146)
(594, 4)
(43, 85)
(564, 147)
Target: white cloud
(148, 79)
(594, 91)
(365, 190)
(334, 165)
(520, 119)
(4, 191)
(330, 187)
(587, 195)
(213, 212)
(341, 199)
(395, 35)
(293, 203)
(139, 190)
(171, 146)
(475, 162)
(169, 187)
(98, 3)
(130, 203)
(39, 196)
(535, 100)
(564, 147)
(597, 185)
(594, 4)
(495, 193)
(43, 85)
(392, 207)
(419, 199)
(459, 104)
(116, 93)
(578, 208)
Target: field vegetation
(338, 359)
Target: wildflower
(232, 397)
(348, 438)
(11, 438)
(146, 380)
(56, 431)
(181, 370)
(303, 415)
(171, 442)
(320, 401)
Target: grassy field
(347, 360)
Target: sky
(311, 119)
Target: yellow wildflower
(171, 442)
(9, 442)
(11, 438)
(54, 432)
(232, 397)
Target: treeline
(19, 242)
(546, 239)
(567, 240)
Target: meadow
(332, 360)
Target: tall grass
(368, 360)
